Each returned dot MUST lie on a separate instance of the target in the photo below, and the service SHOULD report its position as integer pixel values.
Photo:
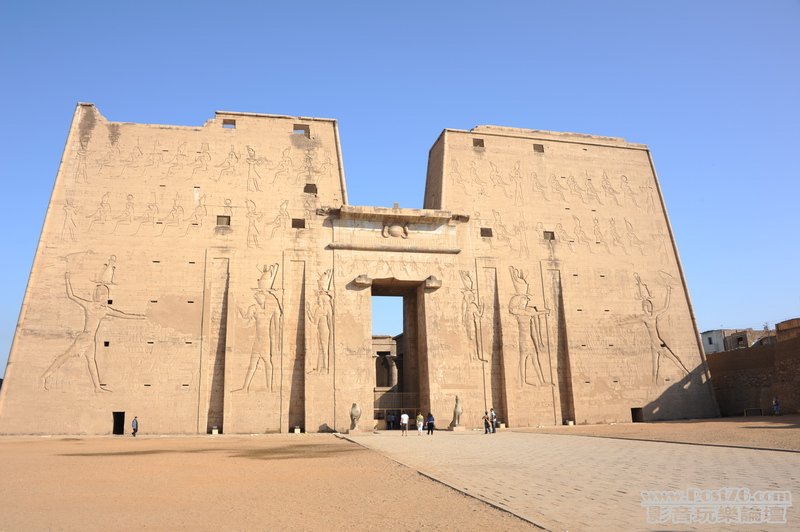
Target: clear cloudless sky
(713, 88)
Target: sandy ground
(301, 482)
(767, 432)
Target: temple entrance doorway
(395, 350)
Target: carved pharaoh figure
(95, 311)
(529, 323)
(266, 314)
(321, 314)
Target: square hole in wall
(298, 223)
(302, 129)
(110, 302)
(478, 143)
(223, 220)
(486, 232)
(538, 148)
(310, 188)
(229, 123)
(106, 343)
(549, 235)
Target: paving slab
(562, 482)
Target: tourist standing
(390, 420)
(487, 429)
(404, 424)
(135, 425)
(493, 419)
(420, 423)
(776, 406)
(430, 422)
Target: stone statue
(355, 415)
(457, 413)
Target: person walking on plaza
(135, 425)
(430, 422)
(487, 429)
(493, 419)
(776, 406)
(390, 420)
(404, 424)
(420, 423)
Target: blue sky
(712, 87)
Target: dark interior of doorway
(119, 423)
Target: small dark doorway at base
(119, 423)
(637, 415)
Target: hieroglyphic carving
(284, 168)
(253, 175)
(455, 176)
(476, 178)
(538, 186)
(627, 190)
(150, 216)
(591, 192)
(198, 214)
(175, 215)
(661, 241)
(616, 239)
(281, 218)
(127, 215)
(516, 181)
(575, 189)
(472, 316)
(70, 226)
(650, 318)
(81, 166)
(95, 311)
(134, 159)
(580, 234)
(609, 190)
(563, 236)
(200, 163)
(228, 166)
(267, 315)
(530, 327)
(101, 215)
(557, 188)
(599, 236)
(321, 313)
(253, 217)
(633, 240)
(177, 162)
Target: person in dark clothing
(430, 422)
(135, 425)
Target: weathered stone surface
(215, 276)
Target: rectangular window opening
(478, 143)
(190, 301)
(310, 188)
(223, 220)
(538, 148)
(110, 302)
(710, 341)
(486, 232)
(298, 223)
(229, 123)
(302, 129)
(549, 235)
(147, 385)
(106, 343)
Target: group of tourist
(427, 422)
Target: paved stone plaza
(564, 482)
